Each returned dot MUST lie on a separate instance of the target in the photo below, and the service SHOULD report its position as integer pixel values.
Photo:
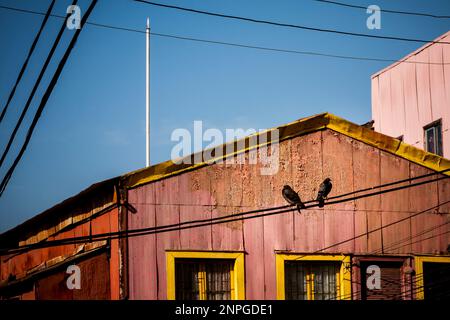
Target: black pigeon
(292, 197)
(324, 190)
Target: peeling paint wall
(305, 161)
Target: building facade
(411, 98)
(383, 233)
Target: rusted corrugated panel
(306, 162)
(374, 238)
(394, 205)
(254, 246)
(30, 295)
(338, 227)
(337, 164)
(114, 262)
(429, 220)
(199, 238)
(278, 229)
(94, 274)
(366, 172)
(143, 276)
(309, 231)
(95, 279)
(226, 189)
(53, 287)
(306, 154)
(253, 235)
(165, 215)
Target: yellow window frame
(343, 284)
(237, 272)
(418, 262)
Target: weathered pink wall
(304, 162)
(408, 96)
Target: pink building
(388, 208)
(411, 99)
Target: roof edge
(297, 128)
(410, 55)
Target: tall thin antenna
(147, 95)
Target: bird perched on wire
(292, 197)
(324, 190)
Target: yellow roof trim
(289, 131)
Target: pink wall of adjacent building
(406, 97)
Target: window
(315, 277)
(205, 275)
(311, 281)
(432, 280)
(390, 281)
(433, 138)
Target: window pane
(186, 280)
(218, 284)
(189, 282)
(436, 280)
(322, 275)
(295, 281)
(439, 139)
(325, 280)
(429, 135)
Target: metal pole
(147, 95)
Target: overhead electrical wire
(419, 14)
(287, 25)
(239, 45)
(397, 244)
(27, 59)
(33, 90)
(378, 228)
(207, 222)
(46, 96)
(416, 277)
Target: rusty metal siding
(142, 250)
(219, 189)
(95, 283)
(21, 264)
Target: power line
(417, 277)
(239, 45)
(389, 184)
(420, 14)
(395, 245)
(287, 25)
(205, 222)
(45, 97)
(33, 91)
(290, 206)
(378, 228)
(25, 64)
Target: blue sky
(93, 127)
